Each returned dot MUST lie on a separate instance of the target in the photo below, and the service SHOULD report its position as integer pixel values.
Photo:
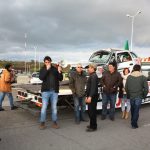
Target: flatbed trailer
(32, 93)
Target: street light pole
(132, 23)
(39, 62)
(25, 45)
(35, 59)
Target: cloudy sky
(71, 29)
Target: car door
(124, 60)
(136, 59)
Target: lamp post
(39, 62)
(132, 22)
(25, 46)
(35, 59)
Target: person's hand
(74, 95)
(88, 100)
(59, 69)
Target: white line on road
(146, 125)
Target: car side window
(118, 59)
(33, 75)
(112, 58)
(133, 55)
(123, 57)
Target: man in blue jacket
(137, 89)
(50, 89)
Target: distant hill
(20, 66)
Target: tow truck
(32, 93)
(101, 58)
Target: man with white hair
(77, 86)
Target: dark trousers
(135, 107)
(108, 98)
(92, 113)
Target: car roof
(35, 73)
(112, 50)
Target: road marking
(146, 125)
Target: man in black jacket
(92, 97)
(111, 80)
(137, 89)
(50, 88)
(77, 86)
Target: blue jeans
(135, 107)
(10, 97)
(80, 107)
(111, 98)
(53, 97)
(125, 101)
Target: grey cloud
(71, 25)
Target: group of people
(133, 87)
(50, 88)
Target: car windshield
(35, 75)
(100, 57)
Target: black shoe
(14, 107)
(103, 117)
(85, 120)
(77, 122)
(88, 126)
(2, 109)
(112, 118)
(134, 127)
(91, 130)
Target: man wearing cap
(110, 81)
(92, 97)
(77, 86)
(50, 88)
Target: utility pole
(132, 25)
(35, 59)
(39, 62)
(25, 46)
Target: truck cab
(123, 58)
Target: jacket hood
(136, 74)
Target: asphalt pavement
(19, 130)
